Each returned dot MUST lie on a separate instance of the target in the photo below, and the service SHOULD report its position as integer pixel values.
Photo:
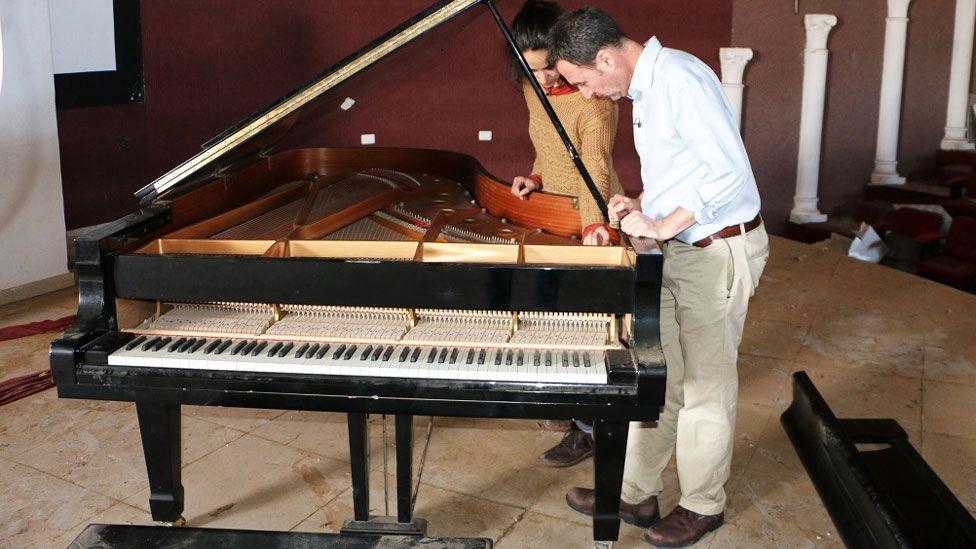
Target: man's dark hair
(578, 35)
(530, 29)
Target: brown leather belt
(729, 232)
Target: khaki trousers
(704, 298)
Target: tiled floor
(876, 342)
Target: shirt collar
(643, 77)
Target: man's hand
(599, 237)
(522, 186)
(639, 225)
(619, 206)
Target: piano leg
(610, 440)
(159, 425)
(404, 465)
(359, 457)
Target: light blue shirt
(689, 145)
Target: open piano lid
(256, 133)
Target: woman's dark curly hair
(530, 29)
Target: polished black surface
(113, 536)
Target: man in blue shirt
(700, 198)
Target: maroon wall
(208, 64)
(773, 92)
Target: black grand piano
(366, 281)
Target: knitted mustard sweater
(592, 126)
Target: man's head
(587, 47)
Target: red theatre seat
(965, 205)
(919, 226)
(957, 264)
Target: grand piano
(366, 280)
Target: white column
(962, 58)
(811, 119)
(889, 110)
(734, 61)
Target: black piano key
(248, 348)
(454, 354)
(443, 356)
(520, 357)
(275, 348)
(470, 357)
(481, 356)
(432, 355)
(415, 354)
(258, 348)
(388, 353)
(223, 346)
(508, 358)
(197, 345)
(162, 343)
(186, 345)
(239, 347)
(322, 350)
(135, 343)
(498, 358)
(366, 352)
(301, 350)
(535, 357)
(349, 352)
(176, 345)
(565, 359)
(311, 350)
(377, 351)
(151, 343)
(286, 349)
(576, 359)
(213, 345)
(548, 358)
(586, 360)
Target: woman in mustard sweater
(590, 123)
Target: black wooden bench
(877, 489)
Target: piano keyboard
(350, 359)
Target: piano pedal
(385, 525)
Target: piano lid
(269, 124)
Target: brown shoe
(643, 514)
(558, 425)
(572, 449)
(681, 528)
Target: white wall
(32, 230)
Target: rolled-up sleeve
(703, 120)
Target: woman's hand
(597, 237)
(522, 186)
(619, 206)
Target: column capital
(898, 8)
(818, 27)
(734, 61)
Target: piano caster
(178, 523)
(602, 545)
